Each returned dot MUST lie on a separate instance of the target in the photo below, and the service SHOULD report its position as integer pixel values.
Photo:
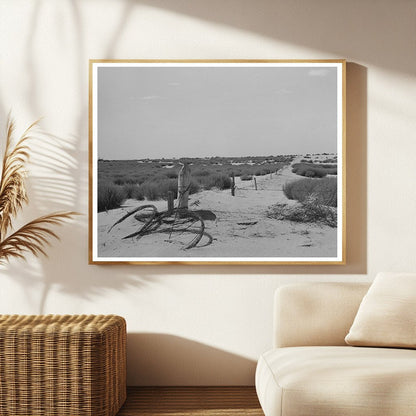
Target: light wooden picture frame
(217, 162)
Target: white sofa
(311, 371)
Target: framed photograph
(217, 162)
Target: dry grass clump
(219, 181)
(323, 190)
(109, 196)
(160, 189)
(155, 190)
(171, 174)
(307, 212)
(328, 160)
(201, 172)
(264, 171)
(125, 180)
(312, 170)
(112, 196)
(132, 191)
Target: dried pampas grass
(34, 236)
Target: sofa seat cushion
(342, 381)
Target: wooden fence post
(184, 182)
(233, 185)
(170, 202)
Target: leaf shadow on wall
(370, 34)
(164, 359)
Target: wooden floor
(187, 401)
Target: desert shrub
(324, 190)
(246, 177)
(159, 189)
(143, 178)
(166, 186)
(195, 187)
(308, 212)
(158, 177)
(314, 170)
(329, 160)
(109, 196)
(123, 180)
(262, 171)
(150, 190)
(133, 192)
(285, 159)
(219, 181)
(171, 174)
(203, 172)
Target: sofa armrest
(315, 313)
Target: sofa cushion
(387, 314)
(342, 381)
(315, 314)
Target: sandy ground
(241, 228)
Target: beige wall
(204, 325)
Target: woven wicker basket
(52, 365)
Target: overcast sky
(155, 112)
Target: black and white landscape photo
(217, 161)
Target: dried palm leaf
(33, 237)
